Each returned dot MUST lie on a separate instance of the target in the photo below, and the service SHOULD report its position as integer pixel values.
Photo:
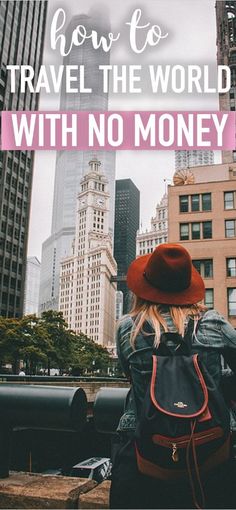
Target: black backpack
(184, 426)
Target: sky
(191, 29)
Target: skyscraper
(71, 164)
(32, 281)
(226, 55)
(22, 29)
(187, 159)
(127, 214)
(87, 292)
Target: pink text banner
(120, 130)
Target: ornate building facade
(147, 241)
(87, 295)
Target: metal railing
(57, 378)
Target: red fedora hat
(166, 276)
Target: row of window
(22, 159)
(94, 257)
(205, 267)
(203, 230)
(144, 251)
(99, 186)
(196, 230)
(196, 202)
(162, 214)
(231, 300)
(202, 202)
(14, 283)
(150, 242)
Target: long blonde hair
(145, 311)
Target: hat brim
(137, 282)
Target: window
(198, 202)
(209, 298)
(206, 202)
(195, 230)
(9, 162)
(231, 267)
(232, 301)
(183, 203)
(195, 202)
(229, 200)
(204, 267)
(11, 300)
(229, 228)
(4, 298)
(207, 229)
(6, 280)
(184, 231)
(197, 265)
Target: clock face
(100, 202)
(82, 202)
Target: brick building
(202, 217)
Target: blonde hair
(145, 311)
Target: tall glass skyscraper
(70, 165)
(32, 281)
(22, 29)
(127, 217)
(226, 55)
(187, 159)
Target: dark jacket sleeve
(229, 354)
(229, 339)
(120, 352)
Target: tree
(62, 339)
(89, 356)
(3, 330)
(13, 340)
(37, 348)
(23, 339)
(48, 341)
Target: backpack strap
(172, 343)
(188, 335)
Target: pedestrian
(168, 295)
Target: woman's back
(167, 298)
(211, 336)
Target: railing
(53, 378)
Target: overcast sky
(191, 28)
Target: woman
(167, 295)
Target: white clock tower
(87, 295)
